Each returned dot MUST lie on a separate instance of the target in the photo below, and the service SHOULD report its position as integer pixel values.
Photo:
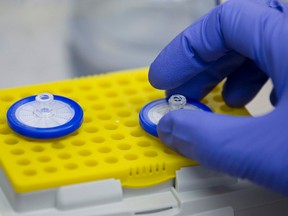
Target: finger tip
(153, 78)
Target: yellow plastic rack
(109, 144)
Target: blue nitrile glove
(245, 41)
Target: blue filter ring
(45, 116)
(152, 112)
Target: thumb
(254, 148)
(222, 142)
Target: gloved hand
(245, 41)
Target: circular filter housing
(45, 116)
(152, 112)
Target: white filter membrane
(34, 114)
(158, 111)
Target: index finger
(241, 26)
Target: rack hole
(111, 160)
(38, 149)
(218, 98)
(30, 172)
(98, 139)
(91, 163)
(104, 116)
(44, 159)
(23, 162)
(143, 143)
(84, 153)
(17, 151)
(117, 136)
(57, 145)
(11, 141)
(130, 91)
(50, 169)
(137, 133)
(117, 104)
(78, 142)
(130, 123)
(85, 87)
(150, 154)
(111, 94)
(104, 150)
(104, 84)
(64, 156)
(71, 166)
(136, 101)
(91, 97)
(111, 126)
(75, 133)
(91, 129)
(205, 101)
(131, 157)
(124, 146)
(97, 107)
(87, 119)
(141, 78)
(226, 108)
(4, 131)
(216, 89)
(123, 81)
(124, 113)
(66, 90)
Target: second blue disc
(152, 112)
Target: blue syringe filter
(45, 116)
(152, 112)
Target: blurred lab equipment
(109, 35)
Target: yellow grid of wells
(109, 144)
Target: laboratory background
(49, 40)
